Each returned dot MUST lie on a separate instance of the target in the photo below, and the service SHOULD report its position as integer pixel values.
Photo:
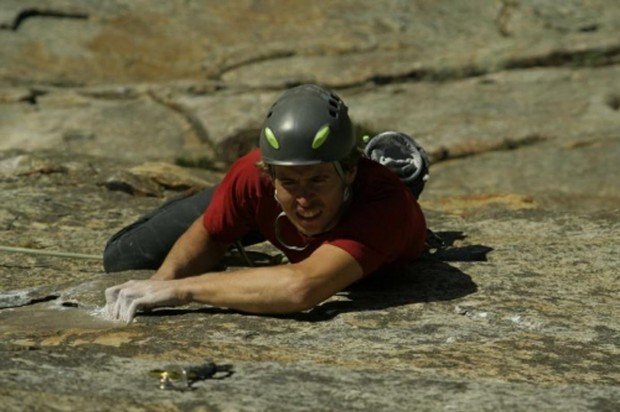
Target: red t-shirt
(382, 227)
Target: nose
(304, 197)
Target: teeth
(308, 215)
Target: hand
(123, 301)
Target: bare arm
(277, 289)
(193, 253)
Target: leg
(145, 243)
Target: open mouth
(308, 216)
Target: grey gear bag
(402, 155)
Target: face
(311, 196)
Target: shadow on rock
(427, 280)
(451, 253)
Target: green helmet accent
(320, 137)
(308, 124)
(271, 138)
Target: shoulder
(381, 202)
(234, 202)
(245, 172)
(376, 182)
(383, 224)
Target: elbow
(303, 295)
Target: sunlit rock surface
(107, 109)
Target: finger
(111, 294)
(111, 297)
(108, 310)
(130, 313)
(124, 306)
(122, 295)
(128, 298)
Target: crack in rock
(255, 59)
(477, 148)
(613, 102)
(113, 93)
(196, 125)
(34, 12)
(32, 96)
(596, 57)
(590, 57)
(441, 75)
(20, 298)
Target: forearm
(274, 289)
(193, 253)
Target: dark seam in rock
(31, 302)
(256, 59)
(443, 153)
(587, 58)
(24, 266)
(70, 304)
(596, 57)
(43, 299)
(415, 75)
(196, 125)
(431, 76)
(125, 94)
(590, 28)
(613, 102)
(28, 13)
(32, 96)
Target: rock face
(107, 108)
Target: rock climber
(337, 216)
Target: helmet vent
(270, 113)
(332, 113)
(333, 96)
(333, 103)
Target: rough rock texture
(108, 108)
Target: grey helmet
(307, 125)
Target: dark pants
(145, 243)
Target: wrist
(159, 276)
(183, 290)
(163, 275)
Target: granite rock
(108, 109)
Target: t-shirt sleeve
(230, 214)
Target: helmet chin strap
(347, 188)
(276, 227)
(279, 237)
(340, 171)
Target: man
(335, 216)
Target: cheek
(283, 197)
(333, 200)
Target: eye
(320, 179)
(287, 182)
